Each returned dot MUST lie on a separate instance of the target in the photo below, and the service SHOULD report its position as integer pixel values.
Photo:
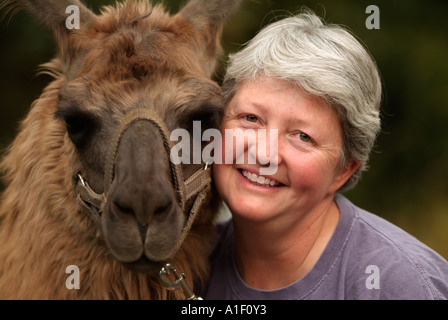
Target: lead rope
(198, 184)
(179, 282)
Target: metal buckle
(208, 163)
(179, 282)
(81, 179)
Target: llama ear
(209, 17)
(59, 16)
(54, 14)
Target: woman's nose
(265, 150)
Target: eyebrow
(256, 106)
(292, 119)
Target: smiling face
(310, 141)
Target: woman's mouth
(259, 180)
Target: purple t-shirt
(366, 258)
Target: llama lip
(144, 265)
(259, 180)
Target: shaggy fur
(119, 59)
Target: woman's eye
(251, 118)
(304, 137)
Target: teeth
(259, 179)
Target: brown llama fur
(132, 54)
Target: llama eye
(75, 124)
(208, 115)
(208, 119)
(79, 126)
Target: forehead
(127, 44)
(278, 96)
(128, 57)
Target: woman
(292, 234)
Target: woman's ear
(344, 174)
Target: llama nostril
(161, 209)
(140, 212)
(123, 208)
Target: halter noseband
(197, 185)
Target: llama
(89, 181)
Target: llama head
(134, 56)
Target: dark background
(407, 183)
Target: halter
(197, 185)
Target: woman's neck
(273, 254)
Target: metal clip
(178, 283)
(81, 179)
(208, 163)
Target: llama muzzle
(120, 197)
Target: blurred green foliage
(408, 180)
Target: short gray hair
(325, 60)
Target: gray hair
(326, 61)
